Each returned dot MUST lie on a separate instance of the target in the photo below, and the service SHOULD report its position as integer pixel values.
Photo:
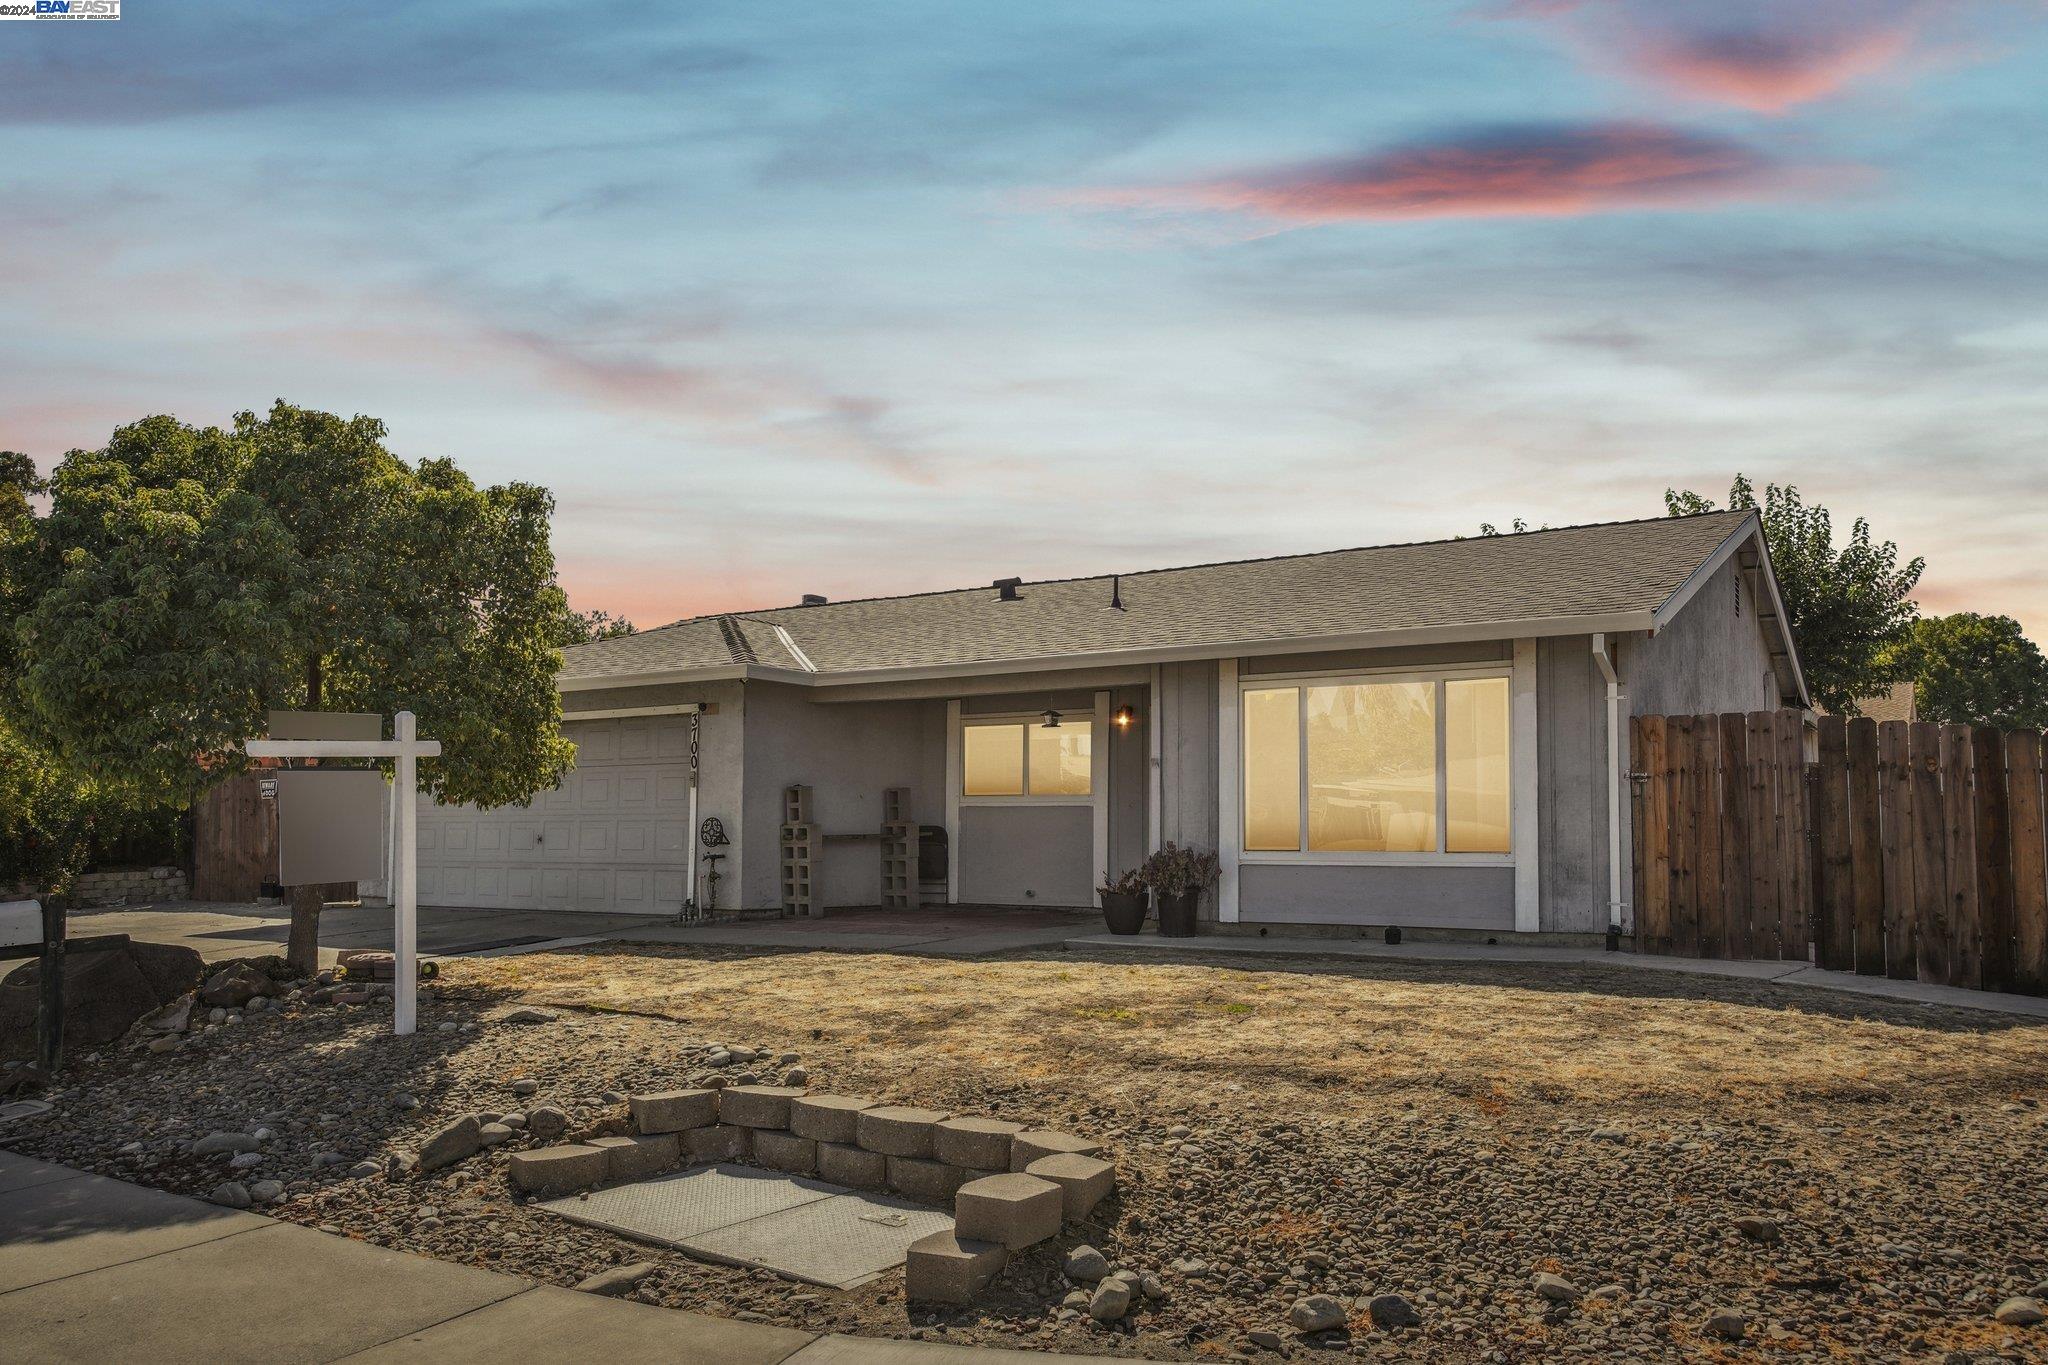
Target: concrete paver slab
(57, 1228)
(279, 1293)
(669, 1210)
(880, 1351)
(841, 1243)
(551, 1323)
(20, 1172)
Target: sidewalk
(1484, 954)
(93, 1269)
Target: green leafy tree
(186, 580)
(1850, 608)
(585, 626)
(1976, 670)
(47, 817)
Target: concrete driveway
(235, 930)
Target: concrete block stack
(1010, 1187)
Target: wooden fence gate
(1908, 850)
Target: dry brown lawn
(1356, 1037)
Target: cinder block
(977, 1144)
(635, 1158)
(549, 1171)
(942, 1268)
(673, 1111)
(721, 1142)
(856, 1167)
(828, 1118)
(1015, 1209)
(895, 1130)
(756, 1106)
(1084, 1181)
(930, 1181)
(1026, 1148)
(785, 1151)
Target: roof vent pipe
(812, 599)
(1006, 589)
(1116, 592)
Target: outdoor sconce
(1052, 719)
(1124, 717)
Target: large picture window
(1024, 759)
(1409, 766)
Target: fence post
(1866, 849)
(50, 1005)
(1834, 921)
(1653, 818)
(1895, 816)
(1994, 860)
(1930, 854)
(1764, 935)
(2029, 863)
(1965, 957)
(1711, 909)
(1681, 758)
(1736, 888)
(1795, 852)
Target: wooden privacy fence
(1908, 850)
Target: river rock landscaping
(1396, 1162)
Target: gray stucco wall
(1416, 897)
(848, 753)
(1026, 855)
(1711, 657)
(1571, 757)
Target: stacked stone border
(1010, 1187)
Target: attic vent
(812, 599)
(1006, 589)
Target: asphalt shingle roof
(1564, 572)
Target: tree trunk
(313, 680)
(302, 950)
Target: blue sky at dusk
(877, 297)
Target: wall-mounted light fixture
(1124, 718)
(1052, 719)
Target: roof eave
(1528, 628)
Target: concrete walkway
(1479, 954)
(93, 1269)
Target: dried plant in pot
(1125, 902)
(1178, 876)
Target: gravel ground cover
(1396, 1161)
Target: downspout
(1616, 906)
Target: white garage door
(614, 836)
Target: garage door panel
(613, 836)
(595, 743)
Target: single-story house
(1428, 735)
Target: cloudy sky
(862, 298)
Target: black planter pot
(1125, 913)
(1177, 914)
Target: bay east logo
(60, 9)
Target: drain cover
(804, 1229)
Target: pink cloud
(1539, 171)
(1768, 56)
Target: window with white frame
(1373, 766)
(1025, 760)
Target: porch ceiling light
(1052, 719)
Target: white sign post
(406, 748)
